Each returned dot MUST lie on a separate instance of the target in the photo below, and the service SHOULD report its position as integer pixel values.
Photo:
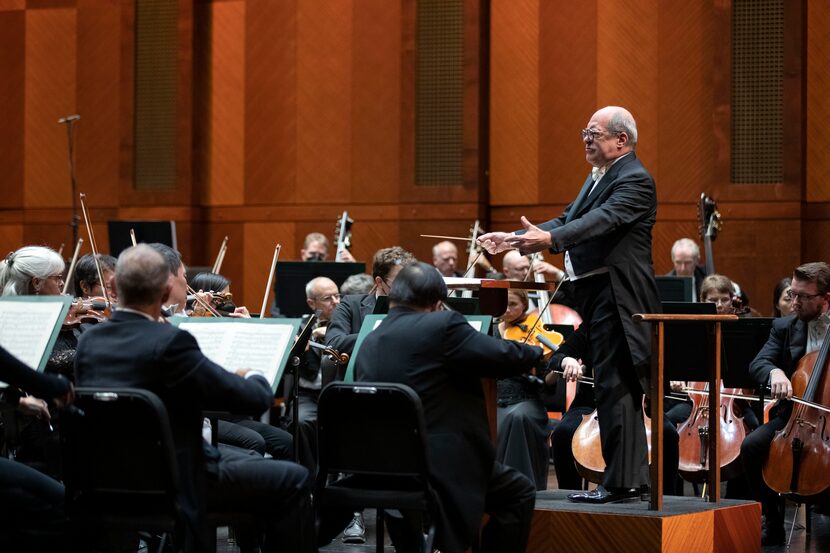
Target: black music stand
(295, 357)
(742, 340)
(292, 276)
(687, 344)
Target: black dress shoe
(601, 495)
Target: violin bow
(270, 281)
(132, 237)
(220, 257)
(213, 312)
(69, 274)
(94, 248)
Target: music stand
(295, 357)
(742, 340)
(687, 343)
(292, 276)
(145, 231)
(676, 288)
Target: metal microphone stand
(69, 121)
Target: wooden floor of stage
(817, 542)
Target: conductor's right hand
(495, 242)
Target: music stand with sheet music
(295, 357)
(742, 340)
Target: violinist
(233, 429)
(782, 304)
(346, 320)
(38, 271)
(522, 419)
(322, 297)
(215, 289)
(85, 279)
(790, 339)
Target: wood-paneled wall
(291, 111)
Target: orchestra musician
(31, 503)
(316, 248)
(685, 258)
(346, 320)
(322, 297)
(605, 235)
(790, 339)
(234, 429)
(445, 259)
(135, 350)
(522, 420)
(85, 280)
(440, 356)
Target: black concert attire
(442, 358)
(786, 345)
(131, 350)
(522, 423)
(567, 476)
(31, 503)
(606, 236)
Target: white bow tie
(597, 172)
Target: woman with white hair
(32, 270)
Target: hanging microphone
(69, 118)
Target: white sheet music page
(243, 346)
(26, 328)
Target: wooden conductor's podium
(682, 524)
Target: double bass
(798, 461)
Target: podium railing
(657, 390)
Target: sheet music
(26, 328)
(243, 345)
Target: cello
(798, 461)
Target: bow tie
(596, 173)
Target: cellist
(790, 339)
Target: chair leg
(379, 533)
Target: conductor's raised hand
(495, 242)
(533, 240)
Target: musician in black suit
(441, 357)
(789, 340)
(31, 503)
(344, 327)
(606, 237)
(134, 349)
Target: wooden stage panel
(686, 525)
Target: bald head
(445, 258)
(142, 277)
(515, 265)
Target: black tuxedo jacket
(346, 320)
(132, 351)
(442, 358)
(612, 228)
(785, 346)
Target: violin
(799, 454)
(694, 435)
(221, 302)
(534, 334)
(87, 311)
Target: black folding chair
(120, 468)
(386, 464)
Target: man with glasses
(789, 340)
(605, 235)
(345, 326)
(322, 297)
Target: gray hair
(622, 121)
(20, 267)
(686, 244)
(141, 275)
(312, 284)
(360, 283)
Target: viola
(529, 331)
(694, 435)
(798, 458)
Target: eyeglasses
(800, 297)
(330, 297)
(719, 301)
(592, 134)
